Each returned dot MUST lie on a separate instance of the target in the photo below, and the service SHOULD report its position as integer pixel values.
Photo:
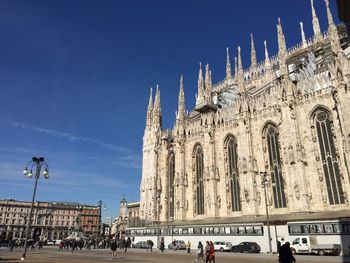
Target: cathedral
(268, 144)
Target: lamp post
(158, 219)
(38, 163)
(265, 183)
(100, 216)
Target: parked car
(222, 246)
(179, 244)
(57, 242)
(140, 244)
(249, 247)
(50, 243)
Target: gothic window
(329, 159)
(199, 170)
(275, 164)
(231, 148)
(171, 172)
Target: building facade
(274, 135)
(50, 220)
(120, 222)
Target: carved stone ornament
(297, 192)
(246, 196)
(218, 201)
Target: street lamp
(158, 219)
(266, 183)
(38, 163)
(100, 216)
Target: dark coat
(285, 254)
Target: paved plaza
(52, 255)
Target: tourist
(285, 254)
(188, 247)
(200, 252)
(114, 248)
(212, 251)
(162, 245)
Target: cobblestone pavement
(52, 255)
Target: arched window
(277, 181)
(199, 169)
(330, 163)
(171, 173)
(231, 148)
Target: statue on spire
(181, 105)
(149, 110)
(236, 68)
(253, 52)
(228, 64)
(240, 74)
(303, 40)
(200, 95)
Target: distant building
(120, 223)
(50, 220)
(134, 214)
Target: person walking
(114, 249)
(207, 252)
(200, 252)
(162, 245)
(212, 251)
(188, 246)
(285, 254)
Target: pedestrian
(151, 245)
(61, 245)
(200, 251)
(285, 254)
(207, 252)
(114, 248)
(174, 245)
(212, 251)
(188, 246)
(11, 244)
(162, 245)
(127, 244)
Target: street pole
(38, 161)
(267, 219)
(100, 217)
(158, 204)
(264, 184)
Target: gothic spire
(200, 95)
(329, 14)
(157, 112)
(253, 52)
(207, 77)
(315, 22)
(282, 48)
(240, 74)
(267, 59)
(228, 64)
(332, 31)
(208, 85)
(181, 106)
(303, 40)
(149, 110)
(236, 67)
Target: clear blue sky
(75, 79)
